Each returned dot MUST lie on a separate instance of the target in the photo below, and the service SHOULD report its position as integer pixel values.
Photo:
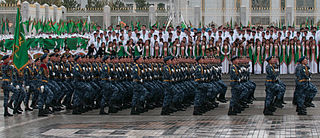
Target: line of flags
(52, 26)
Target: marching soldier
(274, 87)
(236, 88)
(46, 95)
(305, 90)
(7, 84)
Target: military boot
(282, 100)
(42, 113)
(134, 111)
(197, 110)
(267, 111)
(34, 105)
(10, 104)
(6, 113)
(27, 108)
(222, 98)
(165, 111)
(232, 111)
(308, 103)
(16, 109)
(278, 103)
(301, 111)
(102, 112)
(76, 111)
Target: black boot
(282, 101)
(278, 103)
(134, 111)
(308, 103)
(16, 111)
(232, 111)
(34, 106)
(197, 110)
(76, 111)
(42, 113)
(47, 110)
(301, 111)
(10, 104)
(165, 111)
(112, 109)
(222, 98)
(6, 113)
(27, 108)
(102, 112)
(267, 111)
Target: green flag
(139, 26)
(183, 25)
(20, 49)
(27, 23)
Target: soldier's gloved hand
(11, 83)
(53, 74)
(41, 89)
(109, 78)
(71, 75)
(141, 80)
(27, 88)
(18, 87)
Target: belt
(167, 80)
(135, 80)
(197, 80)
(45, 81)
(303, 80)
(234, 81)
(5, 80)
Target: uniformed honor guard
(305, 91)
(275, 88)
(7, 84)
(236, 87)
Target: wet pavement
(215, 123)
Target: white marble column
(275, 11)
(290, 14)
(229, 11)
(152, 15)
(106, 16)
(25, 11)
(245, 5)
(317, 11)
(197, 16)
(37, 10)
(63, 13)
(46, 11)
(55, 12)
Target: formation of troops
(172, 69)
(83, 83)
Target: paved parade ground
(215, 123)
